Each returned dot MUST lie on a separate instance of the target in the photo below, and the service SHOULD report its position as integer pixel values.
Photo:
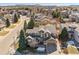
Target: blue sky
(57, 4)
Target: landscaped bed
(2, 33)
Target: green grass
(11, 26)
(2, 33)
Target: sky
(44, 4)
(58, 2)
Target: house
(73, 30)
(65, 13)
(48, 27)
(31, 41)
(45, 33)
(41, 30)
(50, 45)
(8, 16)
(76, 34)
(2, 23)
(51, 40)
(40, 35)
(70, 28)
(42, 39)
(74, 16)
(70, 43)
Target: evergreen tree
(64, 37)
(55, 14)
(31, 23)
(15, 18)
(7, 23)
(22, 41)
(18, 15)
(25, 25)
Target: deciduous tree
(64, 37)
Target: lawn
(12, 26)
(2, 33)
(72, 50)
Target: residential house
(42, 39)
(65, 13)
(2, 23)
(8, 16)
(73, 31)
(74, 16)
(31, 41)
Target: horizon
(43, 4)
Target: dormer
(30, 39)
(41, 30)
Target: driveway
(51, 48)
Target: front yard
(12, 26)
(3, 32)
(6, 30)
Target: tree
(26, 8)
(31, 23)
(64, 37)
(22, 41)
(55, 14)
(15, 18)
(25, 26)
(61, 19)
(18, 15)
(7, 23)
